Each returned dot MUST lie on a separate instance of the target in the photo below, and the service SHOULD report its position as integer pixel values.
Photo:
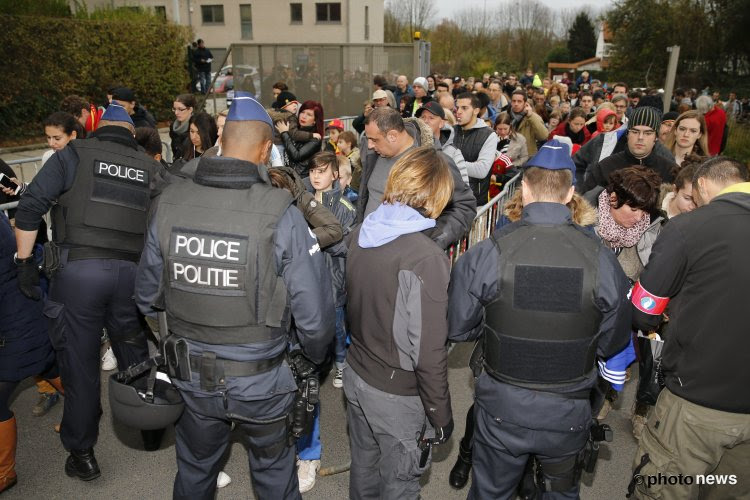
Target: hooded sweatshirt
(397, 287)
(700, 263)
(601, 116)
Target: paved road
(129, 472)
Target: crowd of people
(278, 246)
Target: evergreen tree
(582, 38)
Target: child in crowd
(345, 179)
(348, 147)
(324, 173)
(334, 130)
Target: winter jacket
(700, 263)
(142, 118)
(445, 144)
(478, 146)
(532, 129)
(457, 216)
(335, 201)
(599, 174)
(200, 59)
(25, 348)
(601, 116)
(563, 130)
(515, 148)
(397, 284)
(297, 154)
(297, 134)
(178, 137)
(716, 120)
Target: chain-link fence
(338, 76)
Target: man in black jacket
(699, 265)
(387, 138)
(202, 58)
(642, 129)
(125, 97)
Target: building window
(212, 14)
(296, 13)
(161, 12)
(246, 21)
(367, 22)
(328, 12)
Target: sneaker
(109, 362)
(46, 401)
(223, 479)
(606, 408)
(338, 379)
(307, 473)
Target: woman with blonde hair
(688, 136)
(396, 374)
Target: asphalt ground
(129, 472)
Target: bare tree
(416, 15)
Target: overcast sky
(446, 8)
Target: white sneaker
(338, 379)
(109, 362)
(223, 479)
(307, 473)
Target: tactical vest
(220, 273)
(106, 208)
(541, 330)
(470, 143)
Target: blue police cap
(245, 108)
(553, 155)
(116, 113)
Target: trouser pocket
(55, 314)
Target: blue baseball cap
(116, 113)
(553, 155)
(245, 108)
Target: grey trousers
(383, 430)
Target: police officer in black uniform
(99, 190)
(232, 259)
(548, 299)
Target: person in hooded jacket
(606, 121)
(396, 373)
(433, 115)
(388, 137)
(574, 128)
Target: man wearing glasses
(641, 139)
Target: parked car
(248, 74)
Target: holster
(50, 259)
(476, 362)
(303, 411)
(176, 354)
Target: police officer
(548, 299)
(99, 190)
(232, 259)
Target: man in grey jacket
(388, 137)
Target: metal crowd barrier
(485, 220)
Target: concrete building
(269, 21)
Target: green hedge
(45, 59)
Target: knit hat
(553, 155)
(421, 82)
(116, 113)
(284, 98)
(245, 108)
(645, 116)
(670, 116)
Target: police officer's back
(233, 259)
(548, 299)
(99, 191)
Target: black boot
(82, 464)
(152, 439)
(460, 472)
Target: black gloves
(442, 434)
(28, 277)
(301, 366)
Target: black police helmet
(129, 406)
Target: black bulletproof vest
(470, 143)
(220, 278)
(107, 206)
(541, 330)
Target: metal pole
(674, 58)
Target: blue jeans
(204, 77)
(308, 445)
(339, 348)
